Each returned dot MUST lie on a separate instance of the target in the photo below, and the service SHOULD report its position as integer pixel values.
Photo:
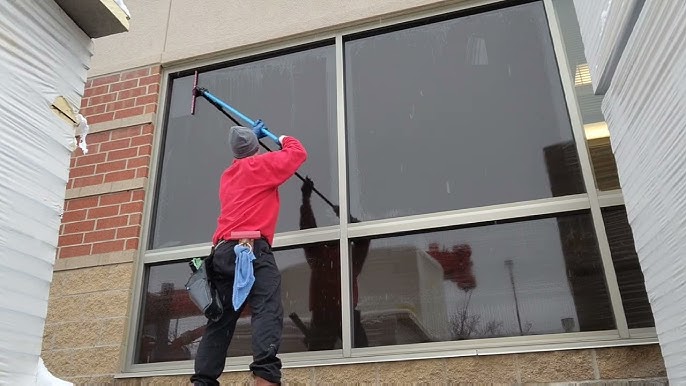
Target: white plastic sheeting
(44, 378)
(43, 55)
(605, 26)
(645, 108)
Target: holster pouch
(203, 292)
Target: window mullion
(346, 303)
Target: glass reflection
(172, 326)
(532, 277)
(595, 127)
(294, 94)
(466, 116)
(325, 283)
(628, 268)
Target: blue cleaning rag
(244, 277)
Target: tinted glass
(540, 276)
(628, 269)
(172, 325)
(595, 128)
(294, 94)
(461, 113)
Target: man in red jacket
(249, 197)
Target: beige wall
(163, 31)
(607, 365)
(85, 333)
(86, 323)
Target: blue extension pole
(239, 114)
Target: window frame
(592, 200)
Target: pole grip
(271, 136)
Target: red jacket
(248, 190)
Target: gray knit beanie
(243, 142)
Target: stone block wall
(641, 365)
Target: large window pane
(294, 94)
(538, 276)
(461, 113)
(172, 326)
(595, 128)
(628, 269)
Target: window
(294, 94)
(468, 213)
(463, 113)
(172, 325)
(539, 276)
(625, 260)
(595, 127)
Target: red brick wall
(114, 155)
(100, 224)
(111, 221)
(121, 95)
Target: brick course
(100, 224)
(122, 95)
(113, 155)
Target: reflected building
(582, 258)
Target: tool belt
(250, 243)
(200, 287)
(202, 291)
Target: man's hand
(257, 129)
(306, 188)
(337, 210)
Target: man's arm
(307, 221)
(282, 164)
(360, 250)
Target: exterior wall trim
(121, 123)
(215, 52)
(110, 187)
(98, 260)
(289, 361)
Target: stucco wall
(165, 30)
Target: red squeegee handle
(195, 93)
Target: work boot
(259, 381)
